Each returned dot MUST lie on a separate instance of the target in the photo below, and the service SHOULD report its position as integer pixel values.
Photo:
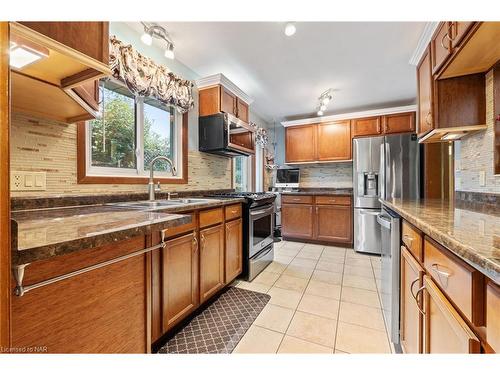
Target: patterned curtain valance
(146, 78)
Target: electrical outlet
(28, 181)
(482, 178)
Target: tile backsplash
(41, 145)
(334, 175)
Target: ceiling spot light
(320, 113)
(322, 107)
(147, 39)
(290, 29)
(169, 52)
(324, 99)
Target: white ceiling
(366, 63)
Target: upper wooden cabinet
(61, 85)
(441, 45)
(218, 98)
(368, 126)
(334, 141)
(399, 123)
(300, 143)
(424, 87)
(458, 30)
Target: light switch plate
(28, 181)
(482, 178)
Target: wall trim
(351, 115)
(221, 79)
(423, 42)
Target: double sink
(161, 203)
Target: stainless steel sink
(161, 203)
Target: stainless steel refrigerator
(384, 167)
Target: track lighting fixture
(324, 99)
(151, 31)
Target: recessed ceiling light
(147, 39)
(21, 56)
(290, 29)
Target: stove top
(249, 196)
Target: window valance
(146, 78)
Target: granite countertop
(41, 234)
(319, 191)
(471, 235)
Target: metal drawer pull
(411, 288)
(18, 271)
(416, 299)
(440, 274)
(195, 242)
(234, 211)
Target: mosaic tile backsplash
(49, 146)
(335, 175)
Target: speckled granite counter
(41, 234)
(320, 191)
(471, 235)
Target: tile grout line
(340, 302)
(381, 307)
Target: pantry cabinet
(180, 279)
(211, 261)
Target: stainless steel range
(258, 229)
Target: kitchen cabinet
(398, 123)
(180, 279)
(444, 329)
(333, 223)
(441, 45)
(459, 30)
(297, 220)
(300, 143)
(233, 250)
(410, 317)
(425, 87)
(211, 261)
(317, 218)
(334, 141)
(216, 99)
(493, 316)
(366, 127)
(100, 311)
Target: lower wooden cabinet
(211, 261)
(444, 330)
(297, 221)
(180, 279)
(234, 255)
(411, 304)
(333, 223)
(493, 316)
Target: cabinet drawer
(331, 199)
(461, 283)
(184, 228)
(412, 239)
(305, 199)
(233, 211)
(493, 316)
(210, 217)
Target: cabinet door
(242, 109)
(458, 31)
(180, 279)
(334, 141)
(362, 127)
(399, 123)
(89, 93)
(493, 316)
(333, 223)
(425, 86)
(444, 330)
(441, 46)
(410, 318)
(227, 101)
(297, 220)
(234, 242)
(211, 261)
(300, 143)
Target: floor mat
(220, 327)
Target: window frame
(88, 174)
(250, 175)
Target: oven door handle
(262, 212)
(262, 254)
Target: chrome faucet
(151, 184)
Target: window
(130, 133)
(242, 173)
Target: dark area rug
(220, 327)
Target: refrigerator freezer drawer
(366, 231)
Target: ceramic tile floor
(324, 299)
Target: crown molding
(351, 115)
(221, 79)
(423, 42)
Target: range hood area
(46, 76)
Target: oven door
(261, 228)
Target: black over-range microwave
(225, 134)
